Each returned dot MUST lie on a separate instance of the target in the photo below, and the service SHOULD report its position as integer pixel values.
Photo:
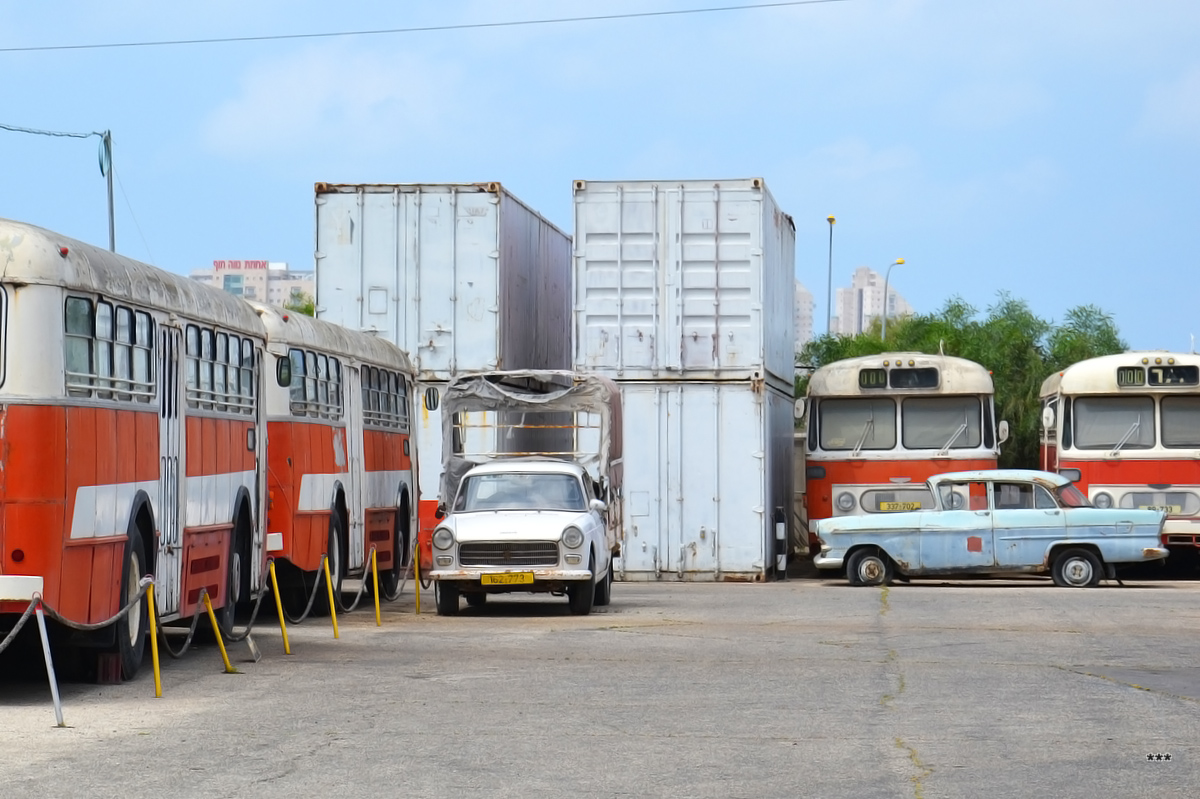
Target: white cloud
(334, 96)
(1173, 109)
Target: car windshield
(520, 491)
(1072, 497)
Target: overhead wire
(416, 29)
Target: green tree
(301, 302)
(1020, 349)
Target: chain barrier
(413, 554)
(143, 587)
(312, 598)
(8, 639)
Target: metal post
(58, 714)
(106, 170)
(829, 280)
(886, 275)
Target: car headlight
(1102, 500)
(845, 501)
(572, 537)
(443, 538)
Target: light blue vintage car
(996, 520)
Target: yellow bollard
(375, 577)
(329, 585)
(287, 649)
(417, 575)
(154, 642)
(229, 669)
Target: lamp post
(829, 280)
(886, 275)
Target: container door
(170, 471)
(355, 473)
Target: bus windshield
(1181, 421)
(941, 422)
(1114, 422)
(854, 424)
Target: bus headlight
(845, 501)
(1102, 500)
(572, 538)
(443, 538)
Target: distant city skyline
(855, 308)
(271, 282)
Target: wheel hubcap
(870, 570)
(1078, 572)
(135, 613)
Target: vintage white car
(523, 524)
(993, 521)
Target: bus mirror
(1048, 418)
(798, 410)
(283, 372)
(1002, 431)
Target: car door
(1026, 519)
(959, 536)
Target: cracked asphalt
(801, 688)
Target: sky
(1049, 150)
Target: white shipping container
(465, 277)
(708, 473)
(691, 279)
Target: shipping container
(465, 277)
(691, 279)
(708, 477)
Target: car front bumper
(540, 575)
(829, 560)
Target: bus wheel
(227, 613)
(868, 567)
(131, 628)
(389, 581)
(336, 566)
(1076, 568)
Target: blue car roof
(1030, 475)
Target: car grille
(508, 553)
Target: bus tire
(336, 554)
(131, 628)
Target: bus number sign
(872, 378)
(1131, 376)
(1174, 375)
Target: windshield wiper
(1128, 433)
(867, 428)
(946, 447)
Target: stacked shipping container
(683, 294)
(465, 277)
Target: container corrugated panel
(689, 279)
(465, 277)
(708, 472)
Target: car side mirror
(440, 513)
(598, 505)
(1002, 432)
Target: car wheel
(604, 588)
(581, 594)
(476, 600)
(447, 599)
(869, 567)
(1076, 568)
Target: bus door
(356, 477)
(170, 471)
(258, 545)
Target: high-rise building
(855, 308)
(265, 281)
(803, 316)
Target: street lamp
(829, 280)
(886, 275)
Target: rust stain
(974, 544)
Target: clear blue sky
(1049, 149)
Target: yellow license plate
(1168, 508)
(509, 578)
(893, 506)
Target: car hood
(493, 525)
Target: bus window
(1110, 422)
(853, 424)
(941, 422)
(1181, 421)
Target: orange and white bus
(1126, 429)
(130, 439)
(342, 475)
(880, 425)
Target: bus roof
(33, 255)
(291, 328)
(957, 375)
(1099, 375)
